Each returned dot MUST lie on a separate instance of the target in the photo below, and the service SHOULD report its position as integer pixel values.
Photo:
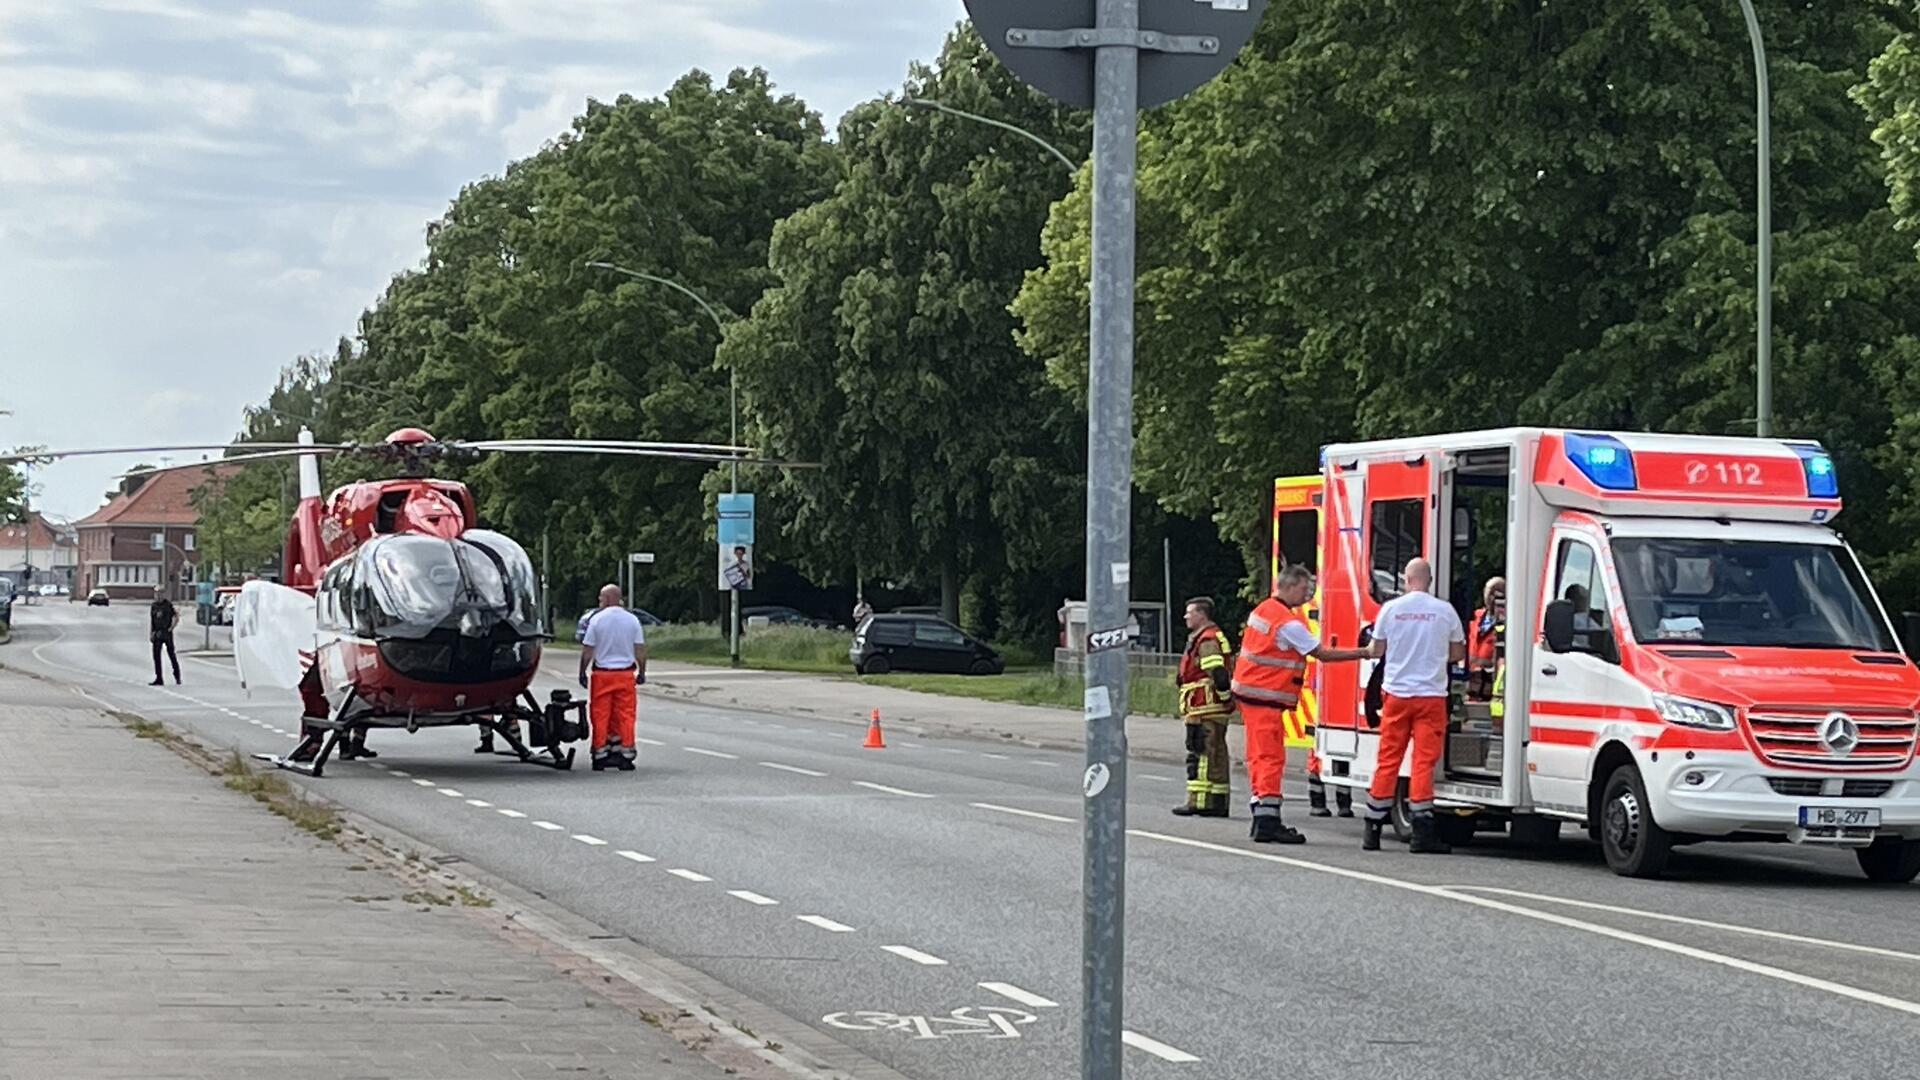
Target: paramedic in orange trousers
(1267, 678)
(1418, 636)
(615, 652)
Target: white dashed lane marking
(424, 783)
(1019, 812)
(590, 841)
(791, 768)
(635, 856)
(1157, 1048)
(826, 924)
(710, 753)
(915, 955)
(481, 803)
(549, 826)
(891, 790)
(1013, 993)
(451, 793)
(642, 740)
(512, 814)
(752, 897)
(688, 875)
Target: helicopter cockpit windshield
(476, 583)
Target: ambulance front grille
(1794, 736)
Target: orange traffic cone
(875, 740)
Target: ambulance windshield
(1746, 592)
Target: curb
(707, 1017)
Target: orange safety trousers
(1266, 748)
(1423, 722)
(612, 701)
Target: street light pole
(1763, 354)
(924, 103)
(733, 413)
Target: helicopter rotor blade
(17, 457)
(244, 459)
(670, 451)
(564, 445)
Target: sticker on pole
(1098, 704)
(1122, 572)
(1096, 779)
(1117, 638)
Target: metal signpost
(736, 532)
(1116, 57)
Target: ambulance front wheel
(1890, 860)
(1634, 845)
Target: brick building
(143, 536)
(42, 550)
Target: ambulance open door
(1297, 515)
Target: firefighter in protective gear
(1267, 679)
(1205, 705)
(1485, 636)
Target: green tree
(884, 351)
(1391, 218)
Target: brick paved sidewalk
(154, 924)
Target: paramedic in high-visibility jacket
(1205, 705)
(1418, 637)
(1267, 679)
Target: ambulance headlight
(1694, 714)
(1822, 481)
(1604, 460)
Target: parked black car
(781, 615)
(886, 643)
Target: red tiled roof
(12, 536)
(165, 499)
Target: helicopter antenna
(309, 468)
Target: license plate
(1840, 817)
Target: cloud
(194, 192)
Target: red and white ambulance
(1691, 652)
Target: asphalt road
(828, 881)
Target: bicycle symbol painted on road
(988, 1022)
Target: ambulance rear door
(1297, 522)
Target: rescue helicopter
(397, 606)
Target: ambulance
(1691, 652)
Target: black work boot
(1217, 806)
(1426, 837)
(600, 762)
(1343, 801)
(1317, 801)
(1187, 810)
(1271, 830)
(1370, 837)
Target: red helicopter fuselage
(421, 617)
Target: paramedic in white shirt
(1418, 636)
(613, 661)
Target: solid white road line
(1043, 764)
(1157, 1048)
(915, 955)
(892, 790)
(791, 768)
(590, 841)
(996, 757)
(752, 897)
(481, 803)
(1024, 997)
(1768, 971)
(1018, 812)
(452, 794)
(549, 826)
(710, 753)
(1683, 920)
(635, 856)
(689, 875)
(826, 924)
(512, 814)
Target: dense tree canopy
(885, 349)
(1395, 217)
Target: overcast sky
(194, 192)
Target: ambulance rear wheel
(1401, 818)
(1890, 860)
(1633, 844)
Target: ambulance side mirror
(1557, 626)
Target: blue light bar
(1822, 481)
(1604, 460)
